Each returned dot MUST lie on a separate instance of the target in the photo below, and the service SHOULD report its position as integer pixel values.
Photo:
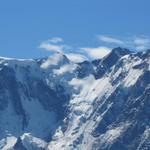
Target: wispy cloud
(53, 45)
(56, 40)
(134, 42)
(79, 54)
(141, 43)
(57, 45)
(74, 57)
(109, 39)
(97, 52)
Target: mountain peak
(109, 60)
(114, 55)
(120, 51)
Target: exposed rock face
(55, 104)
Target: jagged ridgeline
(54, 104)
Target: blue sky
(88, 27)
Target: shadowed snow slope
(55, 104)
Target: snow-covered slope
(53, 103)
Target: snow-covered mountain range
(54, 104)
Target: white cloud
(109, 39)
(97, 52)
(54, 45)
(56, 40)
(141, 43)
(141, 47)
(76, 57)
(66, 68)
(137, 43)
(51, 47)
